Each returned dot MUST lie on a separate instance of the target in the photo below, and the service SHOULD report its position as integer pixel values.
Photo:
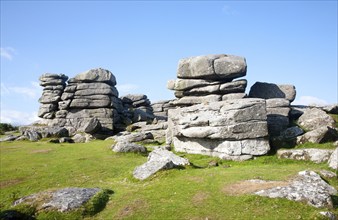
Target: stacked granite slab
(137, 107)
(209, 78)
(278, 99)
(160, 109)
(232, 129)
(91, 94)
(53, 86)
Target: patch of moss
(97, 203)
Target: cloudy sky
(291, 42)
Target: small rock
(329, 215)
(213, 163)
(124, 147)
(312, 154)
(333, 161)
(327, 174)
(66, 140)
(79, 138)
(319, 135)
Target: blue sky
(291, 42)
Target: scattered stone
(312, 154)
(158, 159)
(269, 91)
(124, 147)
(66, 140)
(331, 109)
(329, 215)
(308, 186)
(315, 118)
(9, 138)
(327, 174)
(333, 161)
(62, 200)
(133, 137)
(79, 138)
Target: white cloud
(18, 117)
(229, 10)
(7, 53)
(125, 89)
(310, 100)
(33, 91)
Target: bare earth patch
(251, 186)
(8, 183)
(131, 208)
(41, 151)
(199, 198)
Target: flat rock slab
(62, 200)
(158, 159)
(308, 186)
(312, 154)
(125, 147)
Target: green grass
(191, 193)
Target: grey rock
(158, 159)
(63, 105)
(291, 132)
(269, 90)
(89, 103)
(192, 100)
(236, 158)
(9, 138)
(329, 215)
(277, 123)
(66, 140)
(124, 147)
(95, 75)
(133, 137)
(187, 84)
(32, 135)
(233, 96)
(92, 126)
(327, 174)
(319, 135)
(67, 96)
(130, 98)
(79, 138)
(312, 154)
(331, 109)
(315, 118)
(62, 200)
(49, 76)
(212, 67)
(61, 114)
(46, 108)
(54, 87)
(45, 131)
(333, 161)
(308, 186)
(52, 82)
(277, 102)
(105, 91)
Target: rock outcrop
(312, 154)
(225, 129)
(208, 78)
(137, 107)
(53, 86)
(160, 109)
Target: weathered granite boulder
(226, 67)
(10, 137)
(312, 154)
(43, 131)
(331, 109)
(62, 200)
(125, 147)
(278, 115)
(158, 159)
(160, 109)
(233, 128)
(92, 126)
(315, 118)
(269, 91)
(333, 161)
(95, 75)
(319, 135)
(307, 187)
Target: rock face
(62, 200)
(89, 102)
(54, 85)
(278, 115)
(158, 159)
(223, 129)
(160, 109)
(312, 154)
(208, 78)
(269, 91)
(308, 187)
(137, 107)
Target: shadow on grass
(15, 215)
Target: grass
(192, 193)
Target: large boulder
(314, 118)
(219, 67)
(234, 127)
(125, 147)
(308, 187)
(320, 135)
(269, 90)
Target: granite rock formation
(137, 107)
